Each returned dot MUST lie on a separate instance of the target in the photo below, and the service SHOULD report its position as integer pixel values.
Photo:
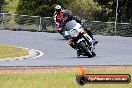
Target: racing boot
(72, 44)
(95, 42)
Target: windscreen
(70, 25)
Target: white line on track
(33, 53)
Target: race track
(111, 50)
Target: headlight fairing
(74, 33)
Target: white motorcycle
(84, 43)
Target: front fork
(90, 42)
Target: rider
(68, 16)
(58, 16)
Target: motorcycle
(84, 43)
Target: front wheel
(85, 50)
(94, 54)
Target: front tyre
(94, 54)
(85, 50)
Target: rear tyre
(85, 50)
(78, 53)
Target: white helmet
(57, 7)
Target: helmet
(67, 13)
(58, 8)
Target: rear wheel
(78, 53)
(85, 50)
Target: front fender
(82, 39)
(88, 37)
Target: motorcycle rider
(58, 16)
(68, 16)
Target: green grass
(11, 7)
(11, 52)
(56, 79)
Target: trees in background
(102, 10)
(109, 7)
(129, 11)
(106, 13)
(39, 7)
(2, 2)
(84, 8)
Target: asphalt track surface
(111, 50)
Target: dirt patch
(38, 70)
(30, 70)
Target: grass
(56, 78)
(11, 52)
